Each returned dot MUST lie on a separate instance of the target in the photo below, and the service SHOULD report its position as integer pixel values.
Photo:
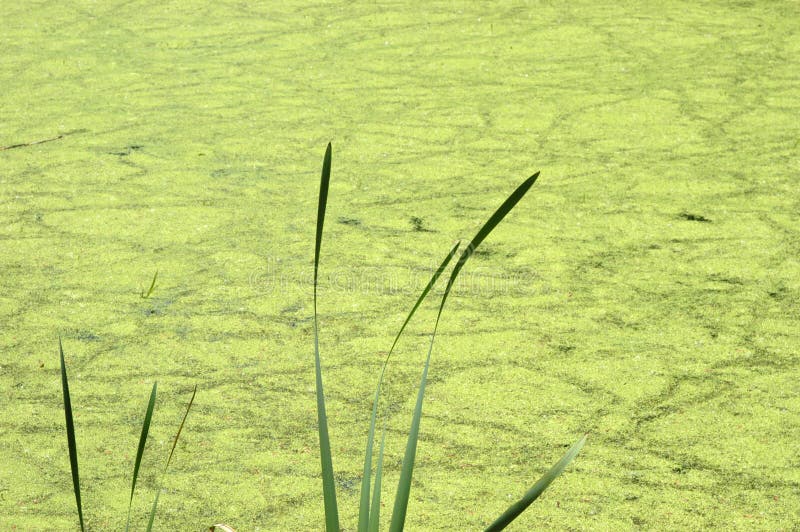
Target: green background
(645, 291)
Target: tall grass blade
(328, 485)
(375, 510)
(169, 459)
(532, 494)
(152, 517)
(73, 449)
(404, 484)
(142, 440)
(364, 511)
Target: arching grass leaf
(73, 449)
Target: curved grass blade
(73, 450)
(375, 511)
(406, 473)
(532, 494)
(422, 296)
(142, 440)
(328, 485)
(487, 228)
(364, 510)
(169, 459)
(144, 295)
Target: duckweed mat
(646, 291)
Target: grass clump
(73, 447)
(370, 495)
(369, 509)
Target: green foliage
(140, 451)
(328, 486)
(169, 459)
(369, 511)
(73, 451)
(532, 494)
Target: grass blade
(328, 485)
(73, 450)
(406, 473)
(487, 228)
(323, 203)
(180, 428)
(422, 296)
(169, 459)
(364, 511)
(532, 494)
(404, 485)
(153, 511)
(144, 295)
(375, 511)
(142, 440)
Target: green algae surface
(646, 291)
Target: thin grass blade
(375, 510)
(328, 485)
(364, 509)
(423, 295)
(407, 470)
(169, 459)
(142, 440)
(487, 228)
(532, 494)
(180, 428)
(73, 449)
(152, 517)
(144, 295)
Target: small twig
(42, 141)
(25, 144)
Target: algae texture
(646, 292)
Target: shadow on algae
(369, 509)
